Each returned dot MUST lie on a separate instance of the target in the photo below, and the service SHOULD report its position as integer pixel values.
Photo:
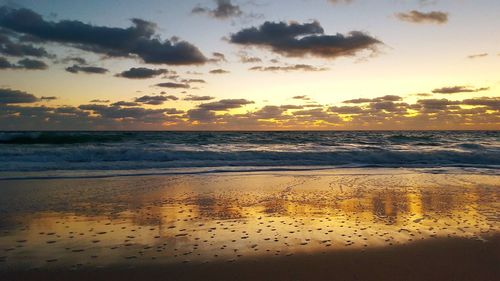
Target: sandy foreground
(343, 224)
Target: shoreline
(186, 171)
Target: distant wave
(50, 151)
(116, 158)
(56, 138)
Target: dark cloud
(141, 73)
(71, 118)
(302, 97)
(86, 69)
(43, 98)
(291, 106)
(296, 67)
(139, 40)
(189, 81)
(224, 10)
(5, 64)
(422, 95)
(298, 40)
(16, 49)
(200, 114)
(100, 101)
(224, 104)
(422, 17)
(28, 64)
(77, 60)
(125, 103)
(198, 98)
(389, 106)
(32, 64)
(315, 112)
(491, 102)
(347, 109)
(269, 112)
(9, 96)
(378, 99)
(173, 85)
(458, 89)
(155, 100)
(218, 57)
(218, 71)
(138, 113)
(475, 56)
(433, 105)
(385, 113)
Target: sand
(342, 224)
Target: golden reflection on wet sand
(232, 216)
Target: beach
(324, 224)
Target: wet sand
(440, 259)
(344, 224)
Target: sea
(103, 154)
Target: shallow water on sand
(74, 223)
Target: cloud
(382, 113)
(32, 64)
(299, 40)
(138, 113)
(224, 9)
(14, 117)
(422, 17)
(224, 104)
(139, 40)
(155, 100)
(198, 98)
(9, 96)
(99, 101)
(303, 97)
(199, 114)
(173, 85)
(5, 64)
(475, 56)
(422, 94)
(17, 49)
(218, 71)
(491, 102)
(49, 98)
(296, 67)
(77, 60)
(141, 73)
(218, 57)
(347, 109)
(433, 105)
(378, 99)
(86, 69)
(269, 112)
(125, 103)
(249, 59)
(458, 89)
(189, 81)
(28, 64)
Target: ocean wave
(115, 159)
(49, 151)
(56, 137)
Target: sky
(250, 65)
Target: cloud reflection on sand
(205, 218)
